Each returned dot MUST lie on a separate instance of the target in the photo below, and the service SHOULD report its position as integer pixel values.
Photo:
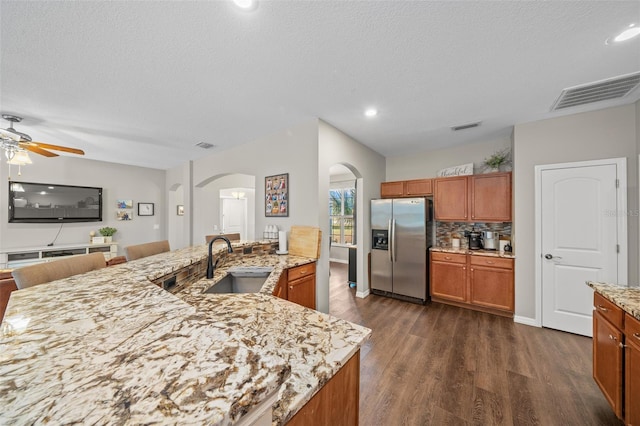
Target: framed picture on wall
(276, 198)
(145, 209)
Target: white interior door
(234, 216)
(579, 241)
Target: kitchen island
(110, 346)
(616, 347)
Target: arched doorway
(219, 200)
(344, 228)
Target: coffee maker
(475, 241)
(490, 240)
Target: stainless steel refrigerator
(402, 230)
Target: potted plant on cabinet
(498, 159)
(107, 232)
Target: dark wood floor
(442, 365)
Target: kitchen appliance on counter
(475, 240)
(402, 230)
(490, 240)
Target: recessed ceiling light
(631, 32)
(371, 112)
(246, 4)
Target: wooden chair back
(231, 237)
(41, 273)
(147, 249)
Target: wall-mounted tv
(31, 202)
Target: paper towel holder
(282, 243)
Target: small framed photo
(276, 190)
(180, 210)
(145, 209)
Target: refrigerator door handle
(393, 241)
(389, 236)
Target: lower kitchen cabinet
(449, 276)
(616, 358)
(478, 282)
(632, 370)
(491, 282)
(298, 285)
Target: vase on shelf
(108, 239)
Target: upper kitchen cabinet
(407, 188)
(474, 198)
(490, 197)
(451, 198)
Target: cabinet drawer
(608, 309)
(448, 257)
(494, 262)
(632, 329)
(301, 271)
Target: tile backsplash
(444, 230)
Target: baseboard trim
(526, 321)
(362, 294)
(346, 262)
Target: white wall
(607, 133)
(427, 164)
(118, 182)
(179, 182)
(336, 147)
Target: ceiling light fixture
(371, 112)
(248, 5)
(631, 32)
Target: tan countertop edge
(626, 298)
(491, 253)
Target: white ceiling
(141, 82)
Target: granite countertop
(626, 298)
(492, 253)
(109, 346)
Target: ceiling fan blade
(38, 150)
(59, 148)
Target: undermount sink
(242, 279)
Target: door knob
(548, 256)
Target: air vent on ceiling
(466, 126)
(602, 90)
(205, 145)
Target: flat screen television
(31, 202)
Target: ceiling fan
(14, 142)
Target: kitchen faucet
(210, 264)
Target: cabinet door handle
(290, 287)
(602, 308)
(471, 269)
(490, 262)
(636, 335)
(622, 345)
(612, 337)
(447, 258)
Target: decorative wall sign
(125, 210)
(180, 210)
(461, 170)
(145, 209)
(276, 199)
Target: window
(341, 210)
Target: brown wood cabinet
(490, 197)
(406, 188)
(491, 282)
(7, 285)
(298, 285)
(337, 403)
(474, 198)
(450, 198)
(478, 282)
(632, 370)
(616, 358)
(449, 276)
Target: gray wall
(118, 182)
(427, 164)
(607, 133)
(335, 147)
